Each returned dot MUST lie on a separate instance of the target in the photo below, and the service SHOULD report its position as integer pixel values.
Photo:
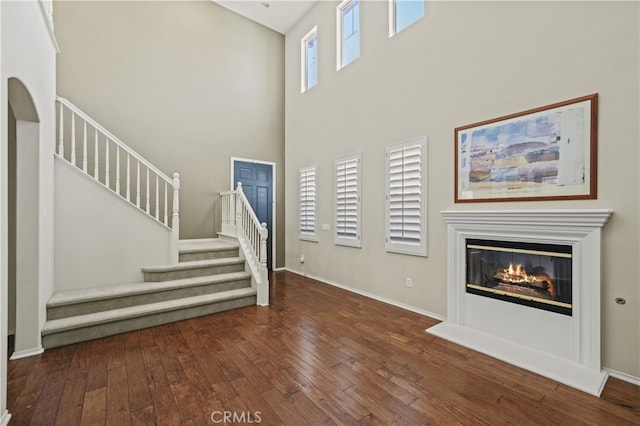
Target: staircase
(210, 277)
(196, 277)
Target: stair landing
(206, 248)
(203, 244)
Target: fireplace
(530, 274)
(524, 286)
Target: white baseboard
(623, 376)
(369, 295)
(27, 353)
(280, 269)
(5, 417)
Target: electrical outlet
(409, 282)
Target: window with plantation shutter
(406, 197)
(347, 201)
(308, 207)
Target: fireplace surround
(544, 316)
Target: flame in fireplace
(516, 274)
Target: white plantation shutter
(308, 203)
(406, 197)
(347, 202)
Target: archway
(22, 203)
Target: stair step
(206, 243)
(206, 248)
(80, 302)
(80, 328)
(196, 268)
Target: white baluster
(106, 163)
(73, 138)
(147, 209)
(165, 204)
(157, 198)
(128, 177)
(84, 147)
(118, 169)
(96, 168)
(61, 132)
(138, 186)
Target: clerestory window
(348, 37)
(403, 13)
(309, 59)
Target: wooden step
(196, 268)
(86, 301)
(64, 331)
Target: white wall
(462, 63)
(100, 238)
(28, 54)
(187, 84)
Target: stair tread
(97, 318)
(205, 244)
(193, 264)
(69, 297)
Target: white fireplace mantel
(563, 348)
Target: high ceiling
(279, 15)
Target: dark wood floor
(317, 355)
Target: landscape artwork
(541, 154)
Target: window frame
(392, 246)
(340, 9)
(303, 172)
(304, 63)
(393, 18)
(342, 240)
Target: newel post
(238, 221)
(263, 289)
(175, 220)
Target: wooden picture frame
(546, 153)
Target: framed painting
(546, 153)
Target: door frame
(273, 198)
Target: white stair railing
(100, 155)
(239, 220)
